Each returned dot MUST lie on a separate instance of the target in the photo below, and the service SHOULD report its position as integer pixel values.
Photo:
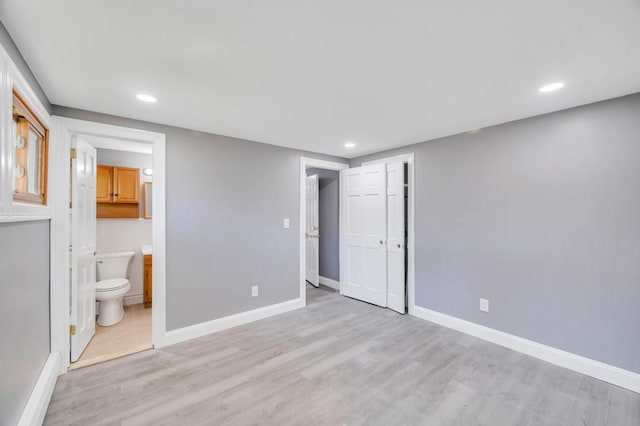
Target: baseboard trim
(599, 370)
(133, 299)
(329, 282)
(198, 330)
(38, 403)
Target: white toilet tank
(113, 265)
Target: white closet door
(395, 237)
(364, 269)
(83, 245)
(312, 236)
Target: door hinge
(72, 330)
(74, 153)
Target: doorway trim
(305, 163)
(65, 130)
(411, 284)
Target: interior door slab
(83, 243)
(365, 234)
(312, 231)
(395, 237)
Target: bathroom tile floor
(131, 335)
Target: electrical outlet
(254, 291)
(286, 223)
(484, 305)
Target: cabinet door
(148, 279)
(104, 185)
(149, 291)
(126, 184)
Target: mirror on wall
(147, 192)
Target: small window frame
(22, 110)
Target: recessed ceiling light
(146, 98)
(551, 87)
(349, 145)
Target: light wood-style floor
(336, 362)
(131, 335)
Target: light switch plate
(254, 291)
(286, 223)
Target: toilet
(112, 285)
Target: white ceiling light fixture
(551, 87)
(146, 98)
(349, 145)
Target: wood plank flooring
(336, 362)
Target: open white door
(395, 237)
(312, 234)
(83, 243)
(364, 269)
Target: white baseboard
(133, 299)
(198, 330)
(329, 283)
(608, 373)
(38, 403)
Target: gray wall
(137, 160)
(24, 291)
(542, 217)
(24, 313)
(12, 50)
(329, 221)
(226, 199)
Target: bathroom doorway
(111, 248)
(111, 229)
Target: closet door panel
(365, 266)
(395, 237)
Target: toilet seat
(111, 284)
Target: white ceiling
(316, 74)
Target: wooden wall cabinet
(148, 279)
(117, 192)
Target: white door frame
(410, 160)
(65, 129)
(305, 163)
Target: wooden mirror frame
(26, 119)
(146, 200)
